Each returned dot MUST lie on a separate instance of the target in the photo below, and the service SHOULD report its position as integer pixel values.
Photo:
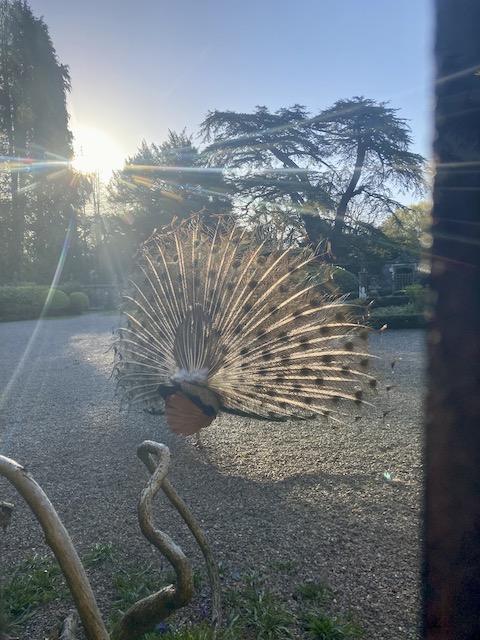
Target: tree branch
(143, 615)
(349, 191)
(145, 452)
(61, 544)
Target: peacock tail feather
(225, 319)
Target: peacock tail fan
(225, 318)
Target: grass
(252, 610)
(102, 552)
(34, 583)
(320, 626)
(316, 591)
(258, 612)
(134, 581)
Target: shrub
(27, 302)
(70, 287)
(386, 301)
(58, 302)
(79, 302)
(417, 295)
(346, 281)
(395, 319)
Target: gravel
(295, 501)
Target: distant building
(394, 276)
(400, 274)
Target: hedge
(27, 302)
(346, 281)
(400, 321)
(79, 302)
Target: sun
(96, 152)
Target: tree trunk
(452, 462)
(8, 130)
(348, 194)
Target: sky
(140, 68)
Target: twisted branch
(143, 615)
(61, 544)
(145, 452)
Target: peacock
(227, 318)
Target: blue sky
(141, 68)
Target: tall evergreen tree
(163, 182)
(324, 167)
(34, 121)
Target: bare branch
(143, 615)
(61, 544)
(70, 627)
(145, 452)
(6, 509)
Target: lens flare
(96, 152)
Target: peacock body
(224, 319)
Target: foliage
(387, 301)
(37, 196)
(70, 287)
(260, 615)
(417, 295)
(401, 312)
(346, 281)
(324, 175)
(131, 583)
(406, 311)
(27, 302)
(201, 631)
(253, 610)
(315, 591)
(363, 246)
(405, 317)
(36, 581)
(101, 553)
(320, 626)
(326, 167)
(160, 183)
(330, 174)
(409, 227)
(78, 302)
(395, 310)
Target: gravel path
(296, 501)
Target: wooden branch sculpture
(61, 544)
(143, 615)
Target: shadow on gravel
(267, 495)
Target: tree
(324, 167)
(163, 182)
(34, 119)
(409, 228)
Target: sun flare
(95, 152)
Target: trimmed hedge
(400, 321)
(346, 281)
(79, 302)
(400, 311)
(27, 302)
(70, 287)
(387, 301)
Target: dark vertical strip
(452, 504)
